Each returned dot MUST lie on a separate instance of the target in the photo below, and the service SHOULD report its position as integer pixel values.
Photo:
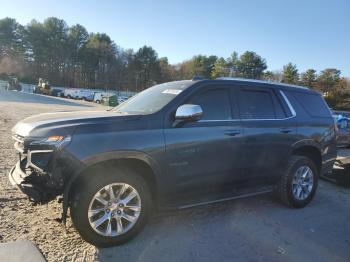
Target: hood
(25, 126)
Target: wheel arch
(311, 150)
(138, 161)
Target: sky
(309, 33)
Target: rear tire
(85, 196)
(296, 192)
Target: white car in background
(71, 93)
(86, 95)
(99, 95)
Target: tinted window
(279, 110)
(215, 104)
(256, 104)
(313, 104)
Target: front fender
(124, 154)
(113, 155)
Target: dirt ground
(19, 219)
(252, 229)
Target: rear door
(269, 131)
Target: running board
(225, 199)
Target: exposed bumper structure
(17, 178)
(27, 184)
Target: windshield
(153, 99)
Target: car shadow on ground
(15, 96)
(342, 181)
(252, 229)
(340, 177)
(176, 235)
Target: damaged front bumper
(17, 178)
(32, 183)
(36, 173)
(44, 170)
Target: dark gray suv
(175, 145)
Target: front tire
(109, 210)
(298, 184)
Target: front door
(204, 156)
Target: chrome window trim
(288, 103)
(291, 109)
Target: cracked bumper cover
(16, 177)
(43, 187)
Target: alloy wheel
(114, 209)
(303, 182)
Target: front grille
(34, 158)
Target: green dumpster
(110, 100)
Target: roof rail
(259, 81)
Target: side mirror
(188, 112)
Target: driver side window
(215, 104)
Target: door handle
(232, 132)
(285, 130)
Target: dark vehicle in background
(55, 91)
(175, 145)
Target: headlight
(53, 139)
(57, 141)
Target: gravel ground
(19, 219)
(252, 229)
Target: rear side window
(256, 104)
(313, 104)
(215, 104)
(279, 109)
